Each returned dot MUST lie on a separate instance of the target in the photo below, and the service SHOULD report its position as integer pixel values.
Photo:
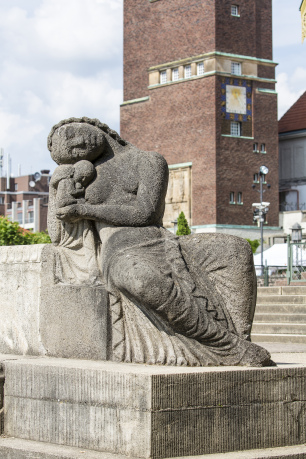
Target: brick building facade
(199, 87)
(25, 200)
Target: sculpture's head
(84, 172)
(76, 139)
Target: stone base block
(151, 411)
(41, 317)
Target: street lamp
(174, 226)
(262, 207)
(297, 238)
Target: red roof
(295, 118)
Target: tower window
(163, 77)
(200, 68)
(239, 198)
(187, 71)
(236, 68)
(232, 197)
(16, 186)
(255, 147)
(256, 177)
(235, 10)
(263, 148)
(235, 129)
(175, 74)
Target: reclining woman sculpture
(174, 301)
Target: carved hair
(93, 121)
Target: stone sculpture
(173, 301)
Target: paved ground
(283, 347)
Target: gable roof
(295, 118)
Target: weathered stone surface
(1, 400)
(172, 301)
(154, 411)
(20, 274)
(41, 317)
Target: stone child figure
(173, 301)
(70, 182)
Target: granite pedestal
(153, 411)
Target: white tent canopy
(277, 256)
(274, 256)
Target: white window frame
(239, 197)
(163, 77)
(235, 10)
(236, 68)
(232, 197)
(187, 71)
(255, 147)
(175, 74)
(263, 148)
(256, 177)
(200, 68)
(16, 186)
(235, 129)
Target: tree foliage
(254, 244)
(12, 234)
(182, 225)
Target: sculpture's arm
(146, 209)
(54, 224)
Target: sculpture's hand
(69, 213)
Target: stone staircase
(280, 315)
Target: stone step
(16, 448)
(294, 290)
(269, 291)
(278, 317)
(283, 328)
(296, 299)
(278, 338)
(271, 308)
(282, 290)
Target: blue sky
(61, 58)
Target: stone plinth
(42, 317)
(151, 411)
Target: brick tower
(199, 88)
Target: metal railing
(270, 275)
(296, 262)
(289, 206)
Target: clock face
(236, 99)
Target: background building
(25, 199)
(292, 165)
(199, 87)
(292, 157)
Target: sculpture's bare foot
(256, 356)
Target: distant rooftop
(295, 118)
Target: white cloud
(57, 59)
(286, 23)
(290, 88)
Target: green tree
(40, 238)
(12, 234)
(254, 244)
(182, 225)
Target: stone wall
(42, 317)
